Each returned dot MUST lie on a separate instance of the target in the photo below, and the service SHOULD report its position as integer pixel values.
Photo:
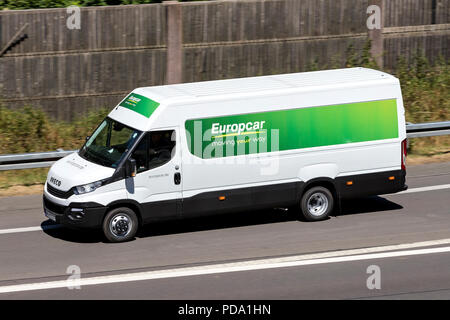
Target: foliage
(31, 130)
(39, 4)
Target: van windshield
(109, 143)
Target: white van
(302, 140)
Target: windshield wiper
(98, 158)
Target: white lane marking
(422, 189)
(29, 229)
(251, 265)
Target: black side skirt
(271, 196)
(371, 184)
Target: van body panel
(73, 170)
(329, 170)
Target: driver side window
(155, 149)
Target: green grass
(31, 130)
(426, 96)
(25, 177)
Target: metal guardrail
(418, 130)
(46, 159)
(31, 160)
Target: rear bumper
(83, 215)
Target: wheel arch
(131, 204)
(325, 182)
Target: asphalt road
(193, 246)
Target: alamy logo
(374, 280)
(374, 20)
(73, 281)
(74, 19)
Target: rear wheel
(316, 203)
(120, 224)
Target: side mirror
(130, 168)
(87, 138)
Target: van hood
(73, 170)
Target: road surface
(404, 237)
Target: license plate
(50, 215)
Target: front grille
(56, 208)
(59, 193)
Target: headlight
(87, 187)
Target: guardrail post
(174, 61)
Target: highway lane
(410, 277)
(42, 256)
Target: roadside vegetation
(32, 130)
(40, 4)
(425, 89)
(426, 96)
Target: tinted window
(155, 149)
(109, 143)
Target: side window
(140, 154)
(161, 147)
(155, 149)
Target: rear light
(404, 153)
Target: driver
(159, 148)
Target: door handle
(177, 178)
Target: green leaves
(30, 129)
(39, 4)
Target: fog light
(76, 214)
(77, 210)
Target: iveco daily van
(302, 140)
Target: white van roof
(262, 83)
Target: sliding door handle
(177, 178)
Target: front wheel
(120, 224)
(316, 203)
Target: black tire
(120, 224)
(317, 204)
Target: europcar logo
(251, 127)
(140, 104)
(134, 100)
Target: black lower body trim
(90, 215)
(233, 200)
(371, 184)
(83, 215)
(161, 210)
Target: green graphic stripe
(296, 129)
(140, 104)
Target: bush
(29, 130)
(39, 4)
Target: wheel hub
(317, 204)
(120, 225)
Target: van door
(157, 184)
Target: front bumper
(82, 215)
